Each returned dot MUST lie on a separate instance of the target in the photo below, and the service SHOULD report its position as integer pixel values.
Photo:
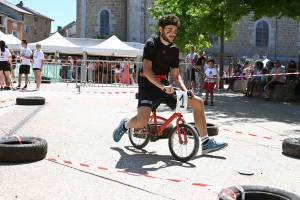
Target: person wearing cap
(160, 57)
(38, 63)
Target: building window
(34, 31)
(25, 28)
(104, 23)
(15, 33)
(45, 34)
(214, 40)
(36, 19)
(262, 34)
(15, 25)
(1, 20)
(46, 22)
(22, 17)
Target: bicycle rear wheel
(186, 150)
(137, 139)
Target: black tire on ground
(212, 129)
(166, 132)
(137, 140)
(253, 192)
(30, 101)
(192, 136)
(11, 151)
(291, 147)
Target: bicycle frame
(175, 115)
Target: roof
(72, 23)
(32, 11)
(15, 7)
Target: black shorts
(24, 69)
(4, 65)
(36, 69)
(151, 96)
(193, 77)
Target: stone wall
(130, 21)
(243, 41)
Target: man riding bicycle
(160, 57)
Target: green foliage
(271, 8)
(200, 19)
(100, 37)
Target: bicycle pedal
(153, 138)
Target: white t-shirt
(4, 55)
(210, 72)
(38, 56)
(27, 52)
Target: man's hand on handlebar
(168, 89)
(191, 94)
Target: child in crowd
(263, 81)
(209, 82)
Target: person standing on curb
(209, 83)
(38, 62)
(25, 64)
(200, 66)
(4, 65)
(160, 57)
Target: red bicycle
(183, 139)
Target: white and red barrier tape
(204, 185)
(252, 135)
(6, 103)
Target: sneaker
(199, 94)
(212, 146)
(205, 103)
(119, 131)
(212, 103)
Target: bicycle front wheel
(188, 148)
(139, 137)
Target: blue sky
(62, 11)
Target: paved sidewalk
(78, 128)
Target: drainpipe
(145, 7)
(126, 20)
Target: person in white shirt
(38, 63)
(4, 65)
(25, 64)
(209, 82)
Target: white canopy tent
(85, 42)
(113, 47)
(57, 43)
(12, 42)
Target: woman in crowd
(5, 57)
(276, 79)
(125, 75)
(38, 63)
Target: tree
(200, 19)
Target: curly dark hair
(170, 19)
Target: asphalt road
(78, 128)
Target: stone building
(130, 21)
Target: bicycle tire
(132, 137)
(191, 133)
